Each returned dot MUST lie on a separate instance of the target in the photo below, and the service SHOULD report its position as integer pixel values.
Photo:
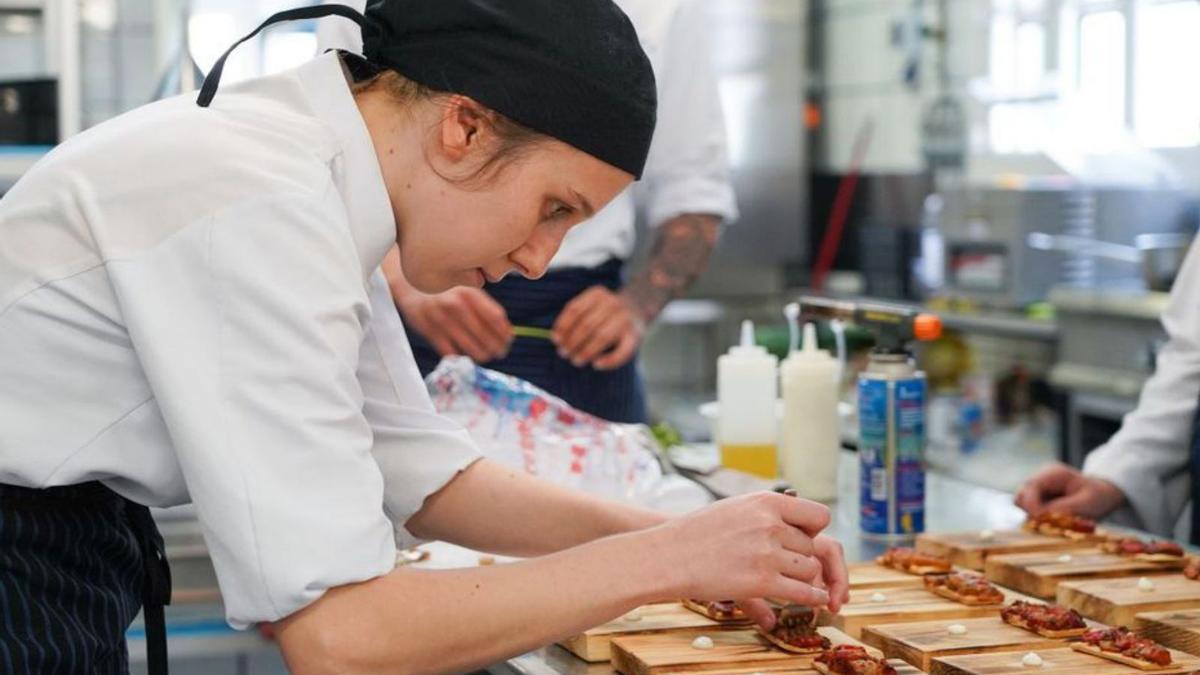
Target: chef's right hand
(1059, 487)
(461, 321)
(756, 546)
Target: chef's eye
(559, 210)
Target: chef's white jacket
(190, 311)
(1148, 457)
(688, 167)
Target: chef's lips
(574, 71)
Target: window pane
(1167, 103)
(1102, 69)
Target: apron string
(209, 89)
(156, 585)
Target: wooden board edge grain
(1157, 627)
(622, 661)
(1002, 573)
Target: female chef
(190, 310)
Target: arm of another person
(1154, 441)
(686, 192)
(419, 451)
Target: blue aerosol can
(891, 416)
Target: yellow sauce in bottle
(760, 460)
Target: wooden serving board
(921, 642)
(1039, 574)
(1117, 602)
(967, 549)
(901, 667)
(903, 605)
(1062, 661)
(1177, 630)
(871, 575)
(733, 651)
(593, 645)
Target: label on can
(891, 447)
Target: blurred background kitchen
(1028, 169)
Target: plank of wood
(732, 651)
(968, 549)
(593, 645)
(903, 605)
(1117, 602)
(1178, 630)
(921, 642)
(1063, 661)
(871, 575)
(901, 667)
(1039, 574)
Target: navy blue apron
(615, 395)
(76, 565)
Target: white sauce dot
(702, 642)
(878, 597)
(1031, 660)
(987, 535)
(1065, 558)
(635, 615)
(1145, 585)
(956, 629)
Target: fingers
(799, 592)
(809, 516)
(571, 314)
(759, 611)
(620, 355)
(1029, 499)
(832, 559)
(491, 315)
(605, 336)
(794, 540)
(588, 324)
(800, 567)
(1051, 482)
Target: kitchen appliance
(986, 234)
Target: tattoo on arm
(679, 256)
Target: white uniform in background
(1148, 458)
(688, 167)
(190, 311)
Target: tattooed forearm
(679, 256)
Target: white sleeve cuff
(701, 195)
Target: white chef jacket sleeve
(418, 450)
(248, 327)
(687, 170)
(1152, 447)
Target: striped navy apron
(616, 395)
(76, 564)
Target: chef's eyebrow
(588, 210)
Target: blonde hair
(515, 139)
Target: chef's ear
(467, 129)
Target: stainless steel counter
(951, 505)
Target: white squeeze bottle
(809, 439)
(747, 387)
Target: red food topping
(1064, 521)
(797, 626)
(906, 559)
(966, 585)
(854, 660)
(1192, 571)
(1122, 641)
(1036, 616)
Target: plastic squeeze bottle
(809, 439)
(747, 387)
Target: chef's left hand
(598, 328)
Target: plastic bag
(524, 427)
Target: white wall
(863, 81)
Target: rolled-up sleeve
(249, 328)
(418, 450)
(688, 167)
